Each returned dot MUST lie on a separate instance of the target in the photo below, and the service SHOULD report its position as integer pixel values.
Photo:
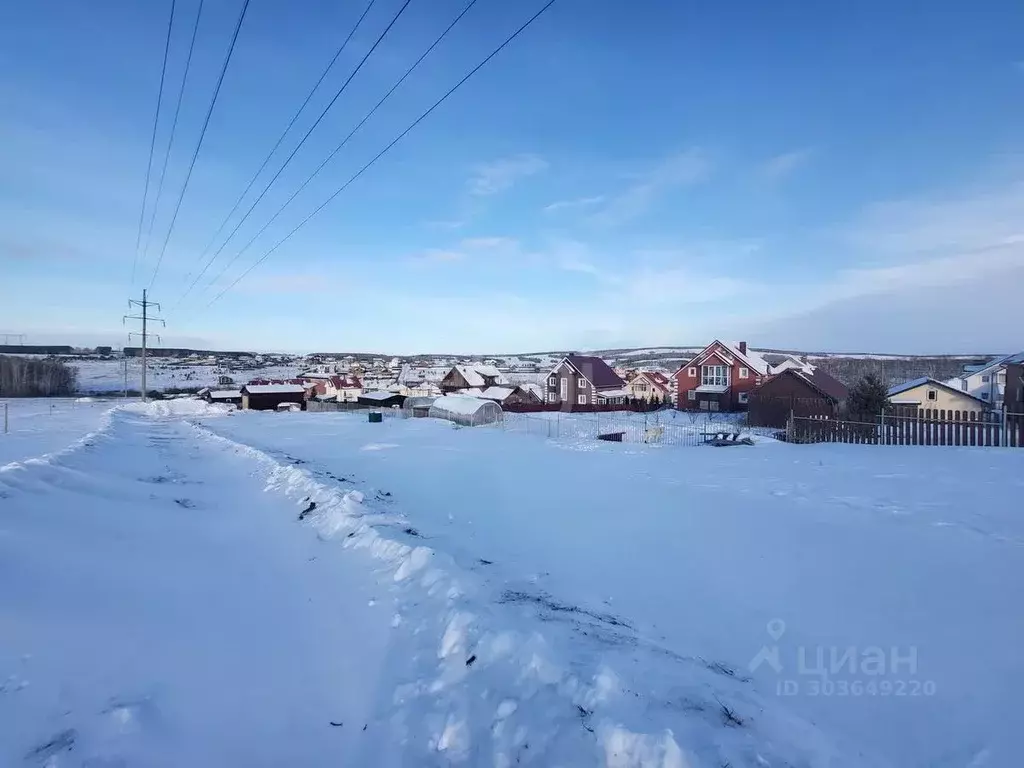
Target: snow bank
(178, 408)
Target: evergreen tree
(868, 399)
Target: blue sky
(624, 174)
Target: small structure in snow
(419, 406)
(381, 399)
(266, 397)
(224, 396)
(467, 411)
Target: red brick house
(579, 380)
(719, 378)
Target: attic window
(744, 373)
(581, 383)
(551, 380)
(986, 379)
(933, 395)
(691, 372)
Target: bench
(725, 437)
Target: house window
(986, 379)
(581, 399)
(744, 373)
(552, 397)
(691, 372)
(581, 383)
(691, 395)
(565, 388)
(714, 375)
(984, 395)
(703, 405)
(933, 395)
(744, 397)
(551, 380)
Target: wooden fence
(928, 427)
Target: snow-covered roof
(462, 404)
(792, 363)
(225, 394)
(497, 393)
(913, 383)
(274, 389)
(608, 393)
(474, 374)
(376, 395)
(999, 362)
(758, 363)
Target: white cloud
(679, 170)
(499, 175)
(580, 202)
(784, 165)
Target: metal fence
(928, 427)
(665, 427)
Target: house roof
(225, 394)
(497, 393)
(273, 389)
(474, 374)
(821, 381)
(716, 388)
(595, 370)
(378, 395)
(1016, 357)
(908, 385)
(753, 359)
(607, 393)
(655, 378)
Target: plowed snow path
(157, 608)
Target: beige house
(650, 385)
(932, 394)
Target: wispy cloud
(469, 248)
(784, 165)
(446, 224)
(498, 175)
(679, 170)
(581, 202)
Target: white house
(988, 382)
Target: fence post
(5, 418)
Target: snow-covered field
(483, 597)
(44, 425)
(164, 373)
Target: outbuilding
(224, 396)
(381, 399)
(266, 397)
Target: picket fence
(926, 427)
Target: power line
(386, 149)
(344, 141)
(274, 149)
(310, 131)
(174, 126)
(152, 140)
(202, 135)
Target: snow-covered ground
(164, 373)
(44, 425)
(484, 597)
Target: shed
(381, 399)
(266, 397)
(467, 411)
(801, 392)
(225, 396)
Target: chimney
(743, 347)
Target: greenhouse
(417, 407)
(467, 411)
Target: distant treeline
(850, 370)
(22, 377)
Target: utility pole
(146, 318)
